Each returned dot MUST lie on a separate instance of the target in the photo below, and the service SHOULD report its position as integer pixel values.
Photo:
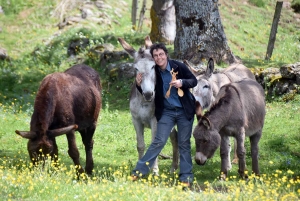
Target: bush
(296, 6)
(258, 3)
(15, 6)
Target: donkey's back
(210, 82)
(246, 105)
(237, 72)
(253, 104)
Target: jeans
(169, 118)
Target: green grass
(248, 29)
(35, 53)
(115, 155)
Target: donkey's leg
(153, 126)
(73, 150)
(235, 158)
(254, 139)
(225, 155)
(54, 154)
(240, 138)
(87, 139)
(139, 130)
(174, 141)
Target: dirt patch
(25, 13)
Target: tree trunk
(274, 30)
(200, 34)
(163, 21)
(142, 14)
(134, 10)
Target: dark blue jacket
(188, 81)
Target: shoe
(185, 186)
(134, 177)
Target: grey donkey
(210, 82)
(142, 106)
(238, 111)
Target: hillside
(247, 28)
(37, 37)
(26, 25)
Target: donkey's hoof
(155, 171)
(245, 177)
(222, 177)
(173, 169)
(155, 174)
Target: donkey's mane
(226, 97)
(144, 53)
(218, 104)
(202, 76)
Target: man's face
(160, 58)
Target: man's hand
(138, 79)
(176, 83)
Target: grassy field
(37, 48)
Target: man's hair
(156, 46)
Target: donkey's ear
(148, 42)
(193, 69)
(128, 48)
(205, 121)
(199, 112)
(210, 67)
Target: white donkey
(142, 106)
(209, 84)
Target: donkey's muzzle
(148, 96)
(199, 162)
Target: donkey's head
(143, 63)
(207, 138)
(41, 144)
(203, 92)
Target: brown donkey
(65, 102)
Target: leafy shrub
(62, 47)
(15, 6)
(296, 5)
(258, 3)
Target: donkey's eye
(205, 87)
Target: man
(170, 110)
